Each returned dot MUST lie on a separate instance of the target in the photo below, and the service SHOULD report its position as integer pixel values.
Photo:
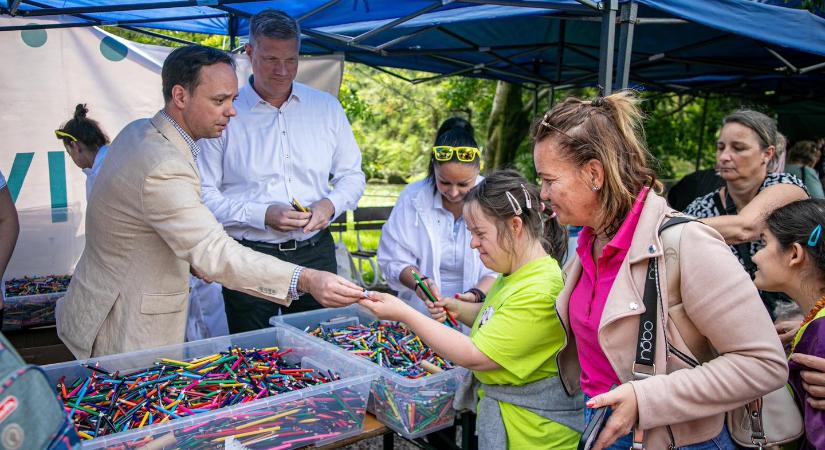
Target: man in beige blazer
(146, 226)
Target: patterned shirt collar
(193, 146)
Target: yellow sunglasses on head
(63, 135)
(464, 154)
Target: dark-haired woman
(85, 142)
(793, 262)
(516, 333)
(426, 232)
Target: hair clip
(527, 197)
(514, 203)
(597, 102)
(813, 239)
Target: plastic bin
(410, 407)
(346, 397)
(29, 311)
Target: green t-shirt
(518, 329)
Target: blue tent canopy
(734, 46)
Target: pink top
(590, 295)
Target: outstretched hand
(386, 306)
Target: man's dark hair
(183, 67)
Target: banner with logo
(44, 74)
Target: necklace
(808, 318)
(815, 310)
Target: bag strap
(644, 366)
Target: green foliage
(674, 128)
(395, 121)
(210, 40)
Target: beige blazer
(145, 227)
(683, 404)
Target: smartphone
(593, 428)
(297, 206)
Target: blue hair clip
(813, 239)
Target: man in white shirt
(288, 142)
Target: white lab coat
(409, 238)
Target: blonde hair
(608, 130)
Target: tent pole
(395, 22)
(702, 132)
(13, 7)
(560, 51)
(812, 68)
(316, 10)
(628, 22)
(232, 25)
(606, 46)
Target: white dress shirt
(304, 150)
(92, 172)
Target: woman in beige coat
(593, 163)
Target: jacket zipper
(563, 347)
(687, 359)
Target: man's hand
(283, 218)
(329, 289)
(322, 212)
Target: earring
(595, 188)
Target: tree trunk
(509, 124)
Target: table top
(372, 428)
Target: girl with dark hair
(793, 262)
(426, 232)
(85, 142)
(515, 334)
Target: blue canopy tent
(731, 46)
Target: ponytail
(87, 131)
(608, 130)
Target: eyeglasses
(63, 135)
(464, 154)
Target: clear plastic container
(337, 409)
(26, 311)
(410, 407)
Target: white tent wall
(44, 75)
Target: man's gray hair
(274, 24)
